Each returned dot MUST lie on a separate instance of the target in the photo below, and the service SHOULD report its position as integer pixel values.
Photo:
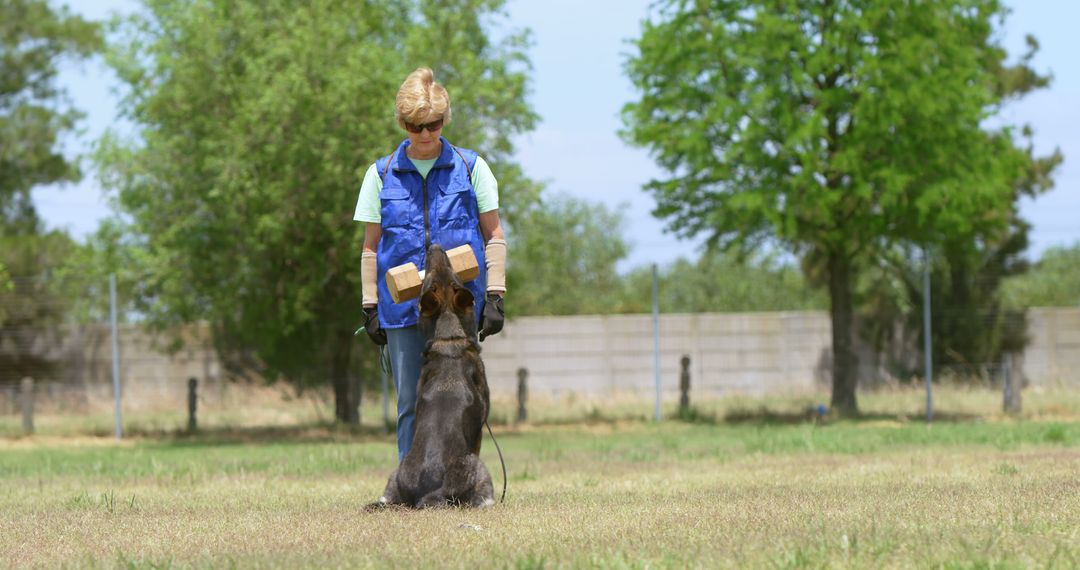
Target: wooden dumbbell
(405, 281)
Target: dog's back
(443, 465)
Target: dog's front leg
(482, 494)
(391, 495)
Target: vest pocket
(457, 205)
(397, 208)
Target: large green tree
(255, 120)
(35, 115)
(971, 326)
(834, 128)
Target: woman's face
(424, 138)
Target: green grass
(608, 493)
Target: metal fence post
(115, 354)
(927, 343)
(656, 333)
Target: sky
(578, 89)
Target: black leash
(501, 460)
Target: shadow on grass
(765, 417)
(265, 435)
(593, 417)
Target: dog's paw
(489, 502)
(382, 504)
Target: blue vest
(417, 213)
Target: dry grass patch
(611, 495)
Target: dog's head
(446, 306)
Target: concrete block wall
(744, 352)
(1053, 354)
(147, 370)
(753, 353)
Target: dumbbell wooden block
(405, 281)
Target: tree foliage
(35, 302)
(34, 111)
(1053, 281)
(563, 257)
(838, 129)
(34, 116)
(972, 327)
(255, 121)
(720, 281)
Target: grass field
(749, 484)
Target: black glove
(491, 321)
(372, 328)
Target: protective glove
(491, 322)
(372, 328)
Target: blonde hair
(421, 99)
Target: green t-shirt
(369, 208)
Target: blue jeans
(406, 348)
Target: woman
(427, 191)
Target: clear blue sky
(578, 89)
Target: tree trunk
(346, 385)
(845, 363)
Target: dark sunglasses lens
(431, 127)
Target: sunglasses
(431, 127)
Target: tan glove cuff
(369, 279)
(495, 255)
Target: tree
(971, 328)
(256, 120)
(563, 258)
(971, 325)
(1054, 281)
(34, 303)
(836, 129)
(34, 115)
(721, 282)
(33, 109)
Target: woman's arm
(372, 234)
(495, 251)
(369, 278)
(490, 227)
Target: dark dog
(443, 466)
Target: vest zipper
(427, 223)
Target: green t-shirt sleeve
(368, 208)
(487, 188)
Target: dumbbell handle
(405, 281)
(462, 274)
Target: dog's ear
(463, 299)
(429, 302)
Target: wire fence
(70, 358)
(64, 345)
